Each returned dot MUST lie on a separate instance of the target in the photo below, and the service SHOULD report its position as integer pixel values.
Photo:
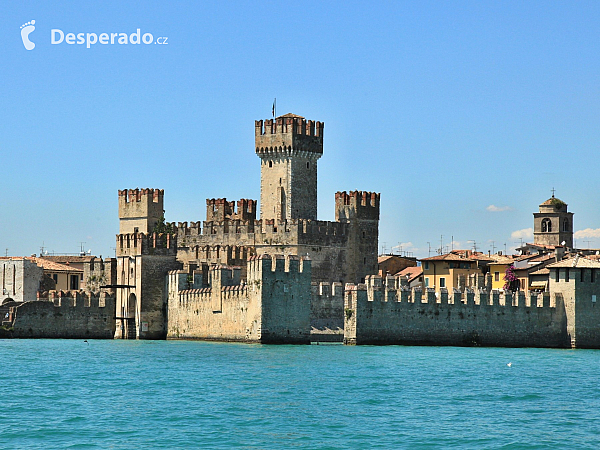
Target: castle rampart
(273, 306)
(383, 314)
(66, 315)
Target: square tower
(140, 210)
(288, 147)
(553, 225)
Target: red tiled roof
(447, 257)
(411, 272)
(54, 266)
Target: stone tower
(289, 147)
(553, 225)
(139, 210)
(143, 259)
(360, 210)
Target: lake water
(176, 395)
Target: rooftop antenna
(42, 249)
(505, 248)
(588, 243)
(441, 244)
(429, 244)
(115, 249)
(474, 244)
(81, 249)
(452, 242)
(6, 252)
(493, 247)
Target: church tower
(553, 225)
(288, 147)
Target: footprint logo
(26, 30)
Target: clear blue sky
(464, 115)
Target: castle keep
(341, 251)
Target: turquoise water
(143, 394)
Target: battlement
(132, 244)
(140, 209)
(80, 299)
(393, 291)
(263, 265)
(334, 289)
(356, 204)
(220, 209)
(382, 313)
(288, 134)
(138, 195)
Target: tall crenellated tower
(139, 210)
(143, 258)
(289, 148)
(553, 225)
(361, 210)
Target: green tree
(162, 227)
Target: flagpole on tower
(274, 107)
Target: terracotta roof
(54, 266)
(411, 272)
(383, 258)
(447, 257)
(553, 201)
(542, 258)
(68, 259)
(501, 259)
(543, 271)
(479, 256)
(578, 261)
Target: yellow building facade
(443, 271)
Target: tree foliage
(162, 227)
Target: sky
(463, 115)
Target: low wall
(66, 318)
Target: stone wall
(20, 279)
(272, 307)
(377, 314)
(72, 315)
(98, 272)
(580, 292)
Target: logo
(59, 36)
(26, 30)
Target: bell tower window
(546, 226)
(566, 225)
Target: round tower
(289, 147)
(553, 224)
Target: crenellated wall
(66, 315)
(273, 306)
(377, 313)
(327, 311)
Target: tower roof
(552, 201)
(291, 115)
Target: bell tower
(288, 147)
(553, 224)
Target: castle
(290, 278)
(342, 251)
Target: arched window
(546, 226)
(270, 163)
(566, 225)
